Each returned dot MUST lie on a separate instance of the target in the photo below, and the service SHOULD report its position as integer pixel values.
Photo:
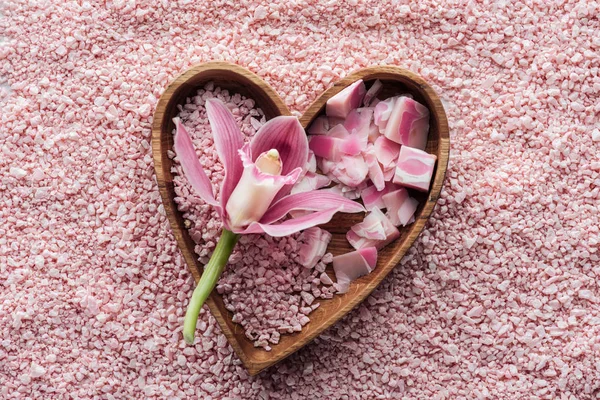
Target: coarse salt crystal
(18, 172)
(61, 50)
(37, 370)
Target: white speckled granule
(264, 286)
(519, 213)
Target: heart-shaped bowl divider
(239, 80)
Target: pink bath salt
(414, 168)
(338, 131)
(358, 122)
(375, 216)
(310, 181)
(348, 99)
(408, 124)
(325, 279)
(372, 198)
(400, 206)
(382, 113)
(372, 93)
(386, 152)
(313, 245)
(375, 171)
(320, 126)
(351, 266)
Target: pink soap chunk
(326, 147)
(350, 170)
(320, 126)
(325, 165)
(358, 122)
(373, 132)
(375, 216)
(355, 170)
(386, 152)
(370, 228)
(333, 148)
(338, 131)
(351, 266)
(333, 121)
(408, 124)
(370, 256)
(372, 198)
(414, 168)
(348, 192)
(313, 245)
(352, 145)
(311, 164)
(388, 173)
(400, 206)
(372, 93)
(346, 100)
(382, 113)
(375, 171)
(310, 181)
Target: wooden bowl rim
(369, 73)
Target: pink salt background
(497, 299)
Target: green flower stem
(208, 280)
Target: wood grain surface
(239, 80)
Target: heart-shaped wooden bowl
(239, 80)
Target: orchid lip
(269, 162)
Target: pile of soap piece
(374, 150)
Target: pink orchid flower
(254, 196)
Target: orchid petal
(192, 169)
(292, 225)
(317, 200)
(285, 134)
(228, 140)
